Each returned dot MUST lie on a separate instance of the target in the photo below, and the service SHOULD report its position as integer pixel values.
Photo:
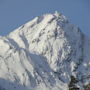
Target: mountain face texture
(47, 53)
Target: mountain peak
(46, 53)
(57, 14)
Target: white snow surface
(43, 54)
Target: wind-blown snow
(44, 54)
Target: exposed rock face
(47, 53)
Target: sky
(14, 13)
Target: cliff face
(46, 53)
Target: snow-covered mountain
(47, 53)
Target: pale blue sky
(14, 13)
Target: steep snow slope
(47, 53)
